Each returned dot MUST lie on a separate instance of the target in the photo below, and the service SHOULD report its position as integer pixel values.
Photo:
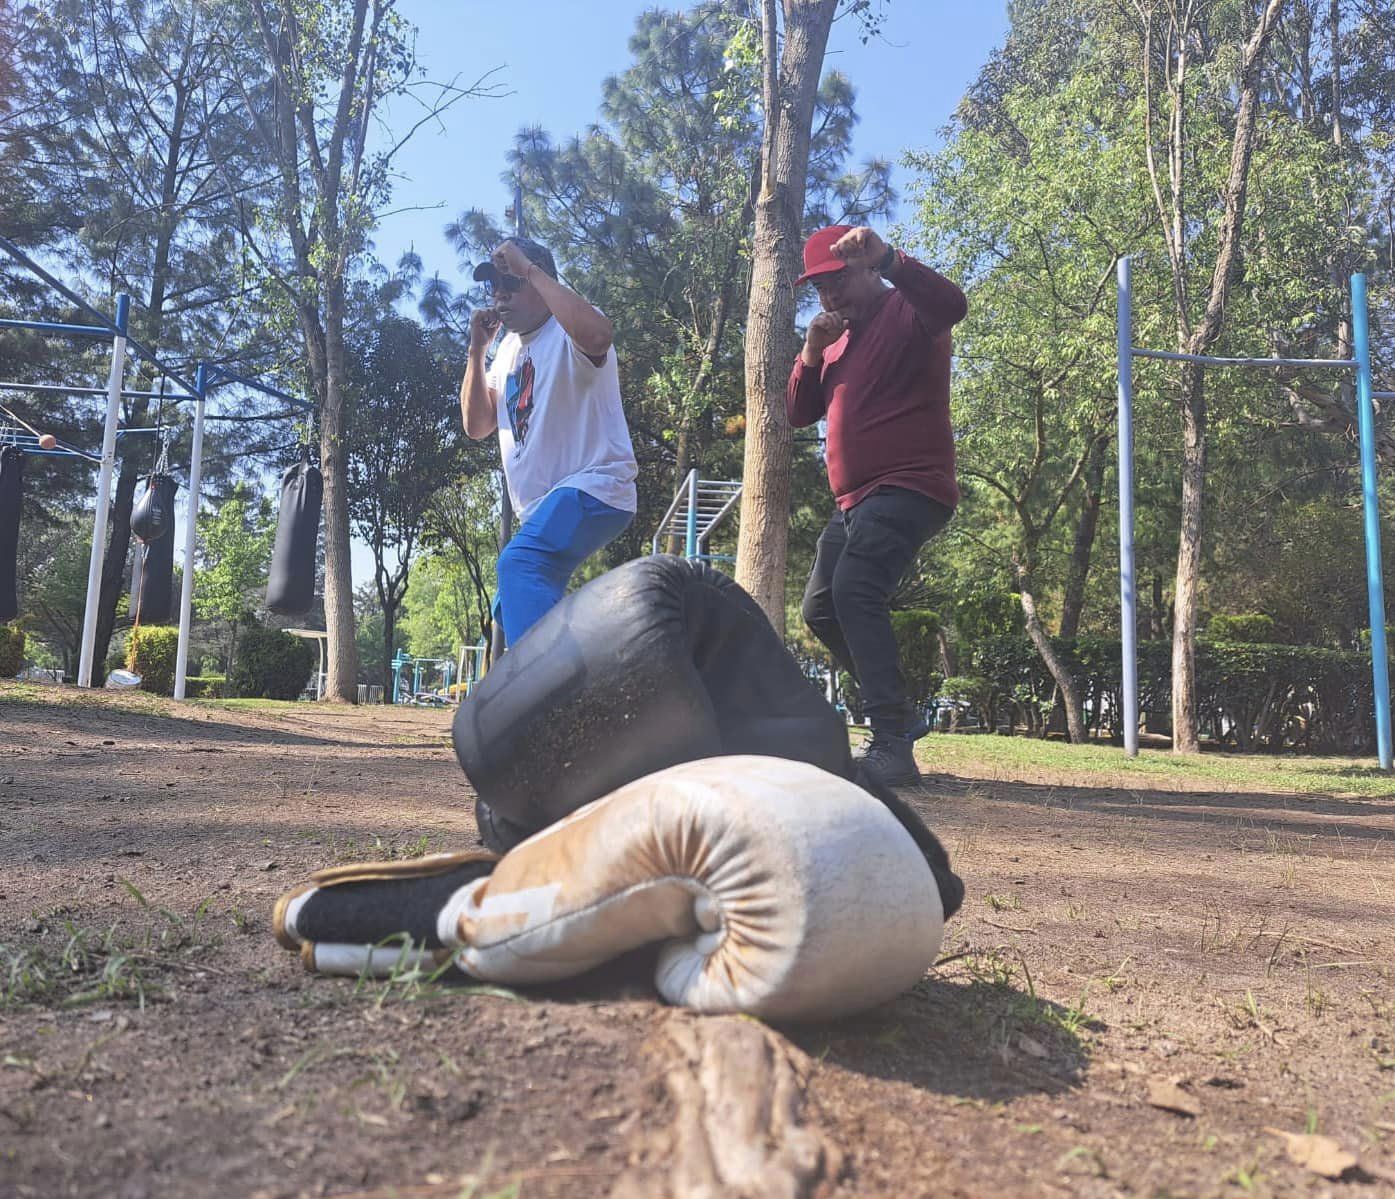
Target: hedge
(11, 651)
(271, 664)
(1252, 696)
(150, 652)
(206, 686)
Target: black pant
(862, 555)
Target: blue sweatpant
(566, 529)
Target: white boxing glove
(778, 889)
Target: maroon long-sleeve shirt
(884, 387)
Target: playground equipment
(402, 660)
(206, 378)
(698, 507)
(470, 669)
(1365, 398)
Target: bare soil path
(1122, 954)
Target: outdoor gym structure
(206, 378)
(699, 506)
(1365, 407)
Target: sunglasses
(505, 283)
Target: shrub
(11, 651)
(918, 640)
(206, 686)
(270, 664)
(1252, 696)
(150, 652)
(1253, 628)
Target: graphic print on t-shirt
(518, 394)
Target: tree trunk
(341, 681)
(790, 87)
(1185, 739)
(1085, 531)
(1070, 691)
(389, 632)
(114, 567)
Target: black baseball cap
(534, 251)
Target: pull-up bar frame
(1365, 408)
(206, 378)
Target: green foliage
(11, 650)
(917, 640)
(151, 651)
(206, 686)
(235, 549)
(438, 615)
(1253, 627)
(271, 665)
(1250, 696)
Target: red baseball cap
(819, 258)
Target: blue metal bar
(1210, 361)
(110, 328)
(1128, 593)
(58, 328)
(65, 389)
(1370, 505)
(690, 546)
(218, 376)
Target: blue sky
(552, 56)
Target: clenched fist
(860, 247)
(511, 260)
(484, 324)
(823, 331)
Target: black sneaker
(890, 760)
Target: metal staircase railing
(698, 507)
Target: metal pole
(99, 523)
(690, 548)
(1375, 590)
(186, 584)
(1128, 595)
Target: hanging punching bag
(155, 587)
(11, 472)
(290, 587)
(153, 514)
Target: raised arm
(805, 401)
(588, 327)
(937, 302)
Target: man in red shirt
(875, 365)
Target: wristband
(888, 260)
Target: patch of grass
(1011, 1008)
(981, 755)
(72, 966)
(378, 850)
(1003, 903)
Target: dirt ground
(1121, 954)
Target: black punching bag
(660, 661)
(11, 473)
(152, 515)
(155, 589)
(290, 589)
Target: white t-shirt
(560, 421)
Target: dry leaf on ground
(1167, 1094)
(1321, 1155)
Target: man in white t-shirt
(553, 394)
